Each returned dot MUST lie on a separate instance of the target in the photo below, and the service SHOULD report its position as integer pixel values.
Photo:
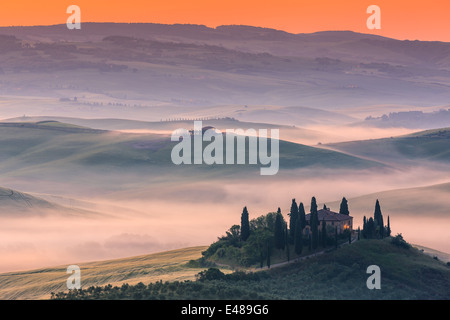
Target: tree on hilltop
(314, 224)
(344, 207)
(245, 225)
(293, 216)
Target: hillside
(14, 203)
(187, 65)
(38, 284)
(340, 274)
(431, 145)
(31, 149)
(228, 115)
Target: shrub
(400, 242)
(210, 274)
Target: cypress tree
(293, 220)
(245, 225)
(298, 239)
(314, 223)
(388, 231)
(364, 230)
(302, 215)
(378, 219)
(314, 211)
(344, 207)
(371, 231)
(279, 234)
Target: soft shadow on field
(165, 266)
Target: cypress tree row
(245, 225)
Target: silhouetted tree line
(374, 228)
(255, 241)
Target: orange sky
(401, 19)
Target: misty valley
(131, 149)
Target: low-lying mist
(162, 216)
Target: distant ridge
(15, 203)
(98, 30)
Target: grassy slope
(433, 145)
(166, 266)
(13, 202)
(340, 274)
(40, 148)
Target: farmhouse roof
(328, 215)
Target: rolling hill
(340, 274)
(56, 148)
(222, 117)
(431, 145)
(38, 284)
(289, 133)
(187, 65)
(406, 274)
(14, 203)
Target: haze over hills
(234, 65)
(409, 119)
(431, 146)
(18, 204)
(57, 150)
(89, 115)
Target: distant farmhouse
(334, 219)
